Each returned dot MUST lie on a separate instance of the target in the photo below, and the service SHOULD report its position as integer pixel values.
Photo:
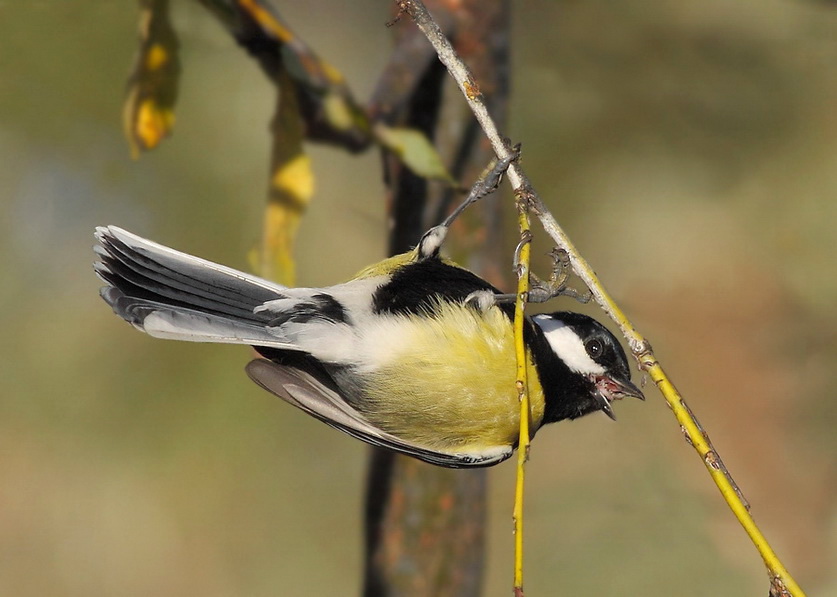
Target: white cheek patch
(568, 346)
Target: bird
(414, 354)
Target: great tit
(414, 354)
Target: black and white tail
(169, 294)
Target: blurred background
(688, 147)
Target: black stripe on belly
(416, 287)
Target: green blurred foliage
(687, 147)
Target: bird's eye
(594, 347)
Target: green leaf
(415, 150)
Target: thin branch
(523, 253)
(326, 103)
(639, 346)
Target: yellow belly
(448, 383)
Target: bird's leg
(541, 291)
(433, 239)
(485, 185)
(525, 238)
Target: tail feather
(169, 294)
(135, 279)
(198, 277)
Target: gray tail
(169, 294)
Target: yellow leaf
(153, 123)
(295, 180)
(276, 260)
(156, 57)
(338, 112)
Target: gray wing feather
(313, 392)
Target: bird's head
(592, 371)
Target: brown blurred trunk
(425, 525)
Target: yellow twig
(781, 580)
(522, 388)
(782, 584)
(696, 436)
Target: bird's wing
(315, 393)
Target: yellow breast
(447, 381)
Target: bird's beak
(609, 389)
